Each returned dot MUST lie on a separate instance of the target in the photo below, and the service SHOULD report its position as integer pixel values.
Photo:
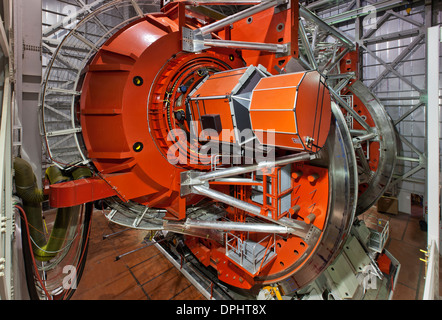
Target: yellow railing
(431, 289)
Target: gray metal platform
(251, 256)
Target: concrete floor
(147, 274)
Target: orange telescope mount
(195, 121)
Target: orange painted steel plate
(268, 26)
(295, 106)
(220, 84)
(72, 193)
(117, 111)
(215, 106)
(272, 109)
(313, 109)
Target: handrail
(269, 245)
(431, 289)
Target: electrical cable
(85, 244)
(23, 216)
(80, 265)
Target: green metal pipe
(32, 197)
(58, 234)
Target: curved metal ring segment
(339, 157)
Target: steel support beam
(363, 11)
(307, 14)
(269, 47)
(391, 67)
(235, 226)
(406, 114)
(302, 156)
(199, 39)
(433, 158)
(239, 16)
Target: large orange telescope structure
(228, 134)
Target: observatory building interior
(230, 150)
